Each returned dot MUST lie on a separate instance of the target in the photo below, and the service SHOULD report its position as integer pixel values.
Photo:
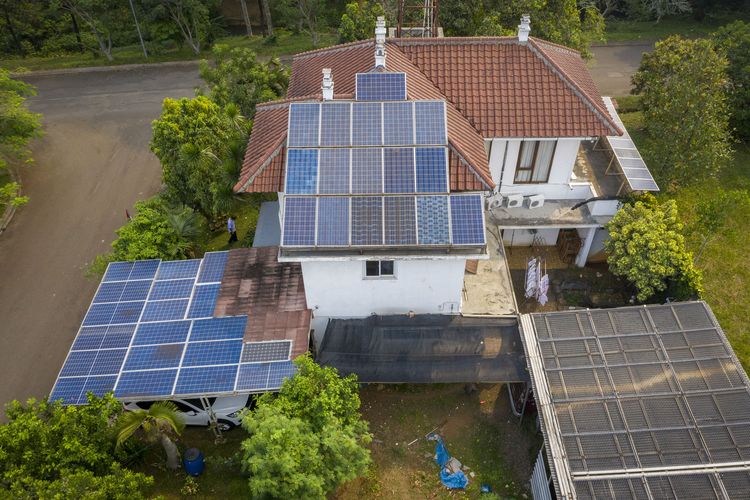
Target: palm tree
(186, 223)
(157, 424)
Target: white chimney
(524, 28)
(327, 86)
(380, 42)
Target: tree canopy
(646, 247)
(733, 40)
(308, 439)
(191, 140)
(51, 451)
(358, 21)
(237, 77)
(683, 85)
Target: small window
(534, 162)
(379, 269)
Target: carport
(426, 349)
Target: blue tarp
(453, 480)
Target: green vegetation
(18, 126)
(160, 423)
(733, 41)
(683, 88)
(358, 22)
(308, 439)
(50, 451)
(626, 30)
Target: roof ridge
(334, 48)
(598, 108)
(453, 40)
(556, 45)
(287, 100)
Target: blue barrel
(193, 462)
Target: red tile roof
(270, 293)
(494, 87)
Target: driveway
(613, 65)
(91, 165)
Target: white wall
(524, 237)
(338, 289)
(504, 158)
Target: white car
(227, 409)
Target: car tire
(225, 425)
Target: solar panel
(89, 338)
(253, 377)
(367, 124)
(136, 290)
(334, 171)
(255, 352)
(335, 124)
(117, 271)
(117, 336)
(165, 310)
(206, 380)
(299, 221)
(212, 269)
(154, 356)
(78, 363)
(108, 362)
(367, 220)
(68, 390)
(162, 333)
(400, 220)
(432, 170)
(220, 352)
(367, 171)
(398, 170)
(127, 312)
(144, 270)
(110, 292)
(177, 269)
(304, 124)
(99, 314)
(226, 328)
(430, 122)
(335, 212)
(154, 383)
(172, 289)
(301, 171)
(381, 86)
(280, 371)
(99, 386)
(467, 219)
(204, 301)
(398, 123)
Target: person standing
(232, 229)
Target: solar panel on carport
(150, 333)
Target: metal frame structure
(430, 17)
(640, 402)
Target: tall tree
(308, 14)
(192, 18)
(683, 85)
(102, 17)
(358, 21)
(246, 18)
(188, 138)
(18, 126)
(265, 11)
(159, 424)
(237, 77)
(734, 42)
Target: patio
(489, 291)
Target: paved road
(92, 164)
(614, 64)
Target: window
(379, 269)
(534, 161)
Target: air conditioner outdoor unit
(536, 201)
(515, 200)
(494, 201)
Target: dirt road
(91, 165)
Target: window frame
(533, 168)
(380, 275)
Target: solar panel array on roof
(150, 334)
(627, 156)
(381, 86)
(641, 402)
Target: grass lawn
(286, 43)
(624, 31)
(724, 260)
(246, 221)
(478, 429)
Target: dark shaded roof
(640, 402)
(268, 229)
(271, 293)
(425, 349)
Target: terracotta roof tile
(270, 292)
(267, 136)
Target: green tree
(305, 15)
(683, 86)
(159, 423)
(308, 439)
(646, 247)
(358, 22)
(103, 18)
(237, 77)
(189, 138)
(734, 42)
(53, 451)
(18, 126)
(191, 17)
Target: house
(520, 116)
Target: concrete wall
(524, 237)
(339, 289)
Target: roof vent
(524, 28)
(327, 87)
(380, 42)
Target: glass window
(372, 268)
(534, 161)
(386, 268)
(379, 268)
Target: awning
(426, 349)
